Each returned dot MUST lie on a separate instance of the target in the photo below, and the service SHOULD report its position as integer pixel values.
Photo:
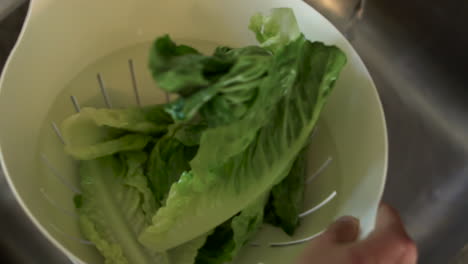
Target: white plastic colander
(94, 53)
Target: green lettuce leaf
(236, 88)
(136, 178)
(123, 143)
(238, 162)
(190, 134)
(95, 133)
(219, 245)
(287, 198)
(276, 30)
(247, 223)
(182, 69)
(233, 139)
(168, 160)
(186, 253)
(228, 238)
(113, 211)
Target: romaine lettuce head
(238, 162)
(189, 181)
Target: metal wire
(57, 132)
(296, 242)
(320, 170)
(75, 103)
(134, 81)
(103, 89)
(320, 205)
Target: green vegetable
(192, 181)
(124, 143)
(168, 160)
(136, 178)
(228, 238)
(238, 88)
(78, 201)
(187, 253)
(287, 198)
(95, 133)
(190, 134)
(276, 30)
(182, 69)
(245, 69)
(219, 246)
(114, 212)
(238, 162)
(234, 138)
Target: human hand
(387, 244)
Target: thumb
(344, 230)
(326, 247)
(389, 239)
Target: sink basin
(416, 53)
(6, 7)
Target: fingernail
(348, 219)
(345, 229)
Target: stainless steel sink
(417, 54)
(6, 7)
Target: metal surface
(416, 53)
(7, 6)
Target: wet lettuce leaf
(94, 133)
(235, 90)
(219, 246)
(192, 181)
(124, 143)
(136, 178)
(239, 161)
(275, 30)
(190, 134)
(228, 238)
(116, 206)
(187, 253)
(287, 198)
(168, 160)
(183, 69)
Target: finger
(410, 256)
(344, 230)
(388, 217)
(389, 241)
(329, 247)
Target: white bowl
(65, 43)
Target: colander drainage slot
(62, 179)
